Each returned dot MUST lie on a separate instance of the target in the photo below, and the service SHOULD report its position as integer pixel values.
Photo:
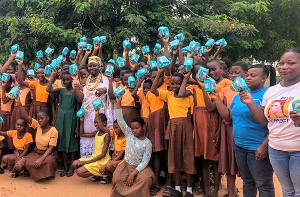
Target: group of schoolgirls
(168, 114)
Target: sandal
(177, 193)
(155, 190)
(14, 175)
(188, 194)
(168, 191)
(1, 171)
(63, 173)
(95, 178)
(70, 173)
(104, 180)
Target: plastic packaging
(72, 54)
(88, 47)
(81, 113)
(209, 85)
(81, 45)
(109, 70)
(146, 49)
(48, 70)
(157, 48)
(221, 41)
(73, 69)
(121, 62)
(127, 44)
(120, 91)
(296, 106)
(202, 73)
(65, 51)
(1, 120)
(37, 66)
(15, 92)
(163, 31)
(83, 39)
(20, 56)
(197, 48)
(30, 73)
(239, 84)
(210, 42)
(203, 52)
(180, 37)
(14, 48)
(39, 54)
(131, 82)
(5, 77)
(98, 104)
(135, 58)
(153, 64)
(163, 62)
(174, 44)
(111, 61)
(188, 64)
(184, 50)
(141, 73)
(49, 52)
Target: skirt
(16, 114)
(206, 125)
(5, 126)
(10, 161)
(157, 124)
(227, 163)
(129, 113)
(47, 169)
(181, 146)
(36, 107)
(141, 186)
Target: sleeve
(191, 99)
(29, 138)
(53, 137)
(146, 157)
(163, 94)
(31, 84)
(34, 123)
(222, 94)
(124, 127)
(191, 89)
(141, 95)
(167, 80)
(265, 99)
(232, 103)
(10, 133)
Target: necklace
(95, 85)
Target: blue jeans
(256, 174)
(287, 169)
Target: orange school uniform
(20, 143)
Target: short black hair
(24, 120)
(66, 63)
(149, 81)
(103, 117)
(139, 120)
(65, 73)
(241, 64)
(227, 61)
(263, 67)
(44, 111)
(178, 75)
(215, 60)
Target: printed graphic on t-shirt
(278, 110)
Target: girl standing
(66, 121)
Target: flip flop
(168, 191)
(70, 173)
(155, 190)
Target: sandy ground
(73, 186)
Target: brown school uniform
(227, 163)
(6, 125)
(158, 118)
(43, 141)
(205, 127)
(129, 108)
(179, 133)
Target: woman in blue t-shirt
(250, 137)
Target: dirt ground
(74, 186)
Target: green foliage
(259, 29)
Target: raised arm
(85, 57)
(155, 82)
(23, 112)
(8, 62)
(256, 112)
(4, 98)
(20, 79)
(172, 67)
(135, 90)
(182, 91)
(210, 106)
(111, 88)
(100, 52)
(124, 127)
(78, 94)
(49, 87)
